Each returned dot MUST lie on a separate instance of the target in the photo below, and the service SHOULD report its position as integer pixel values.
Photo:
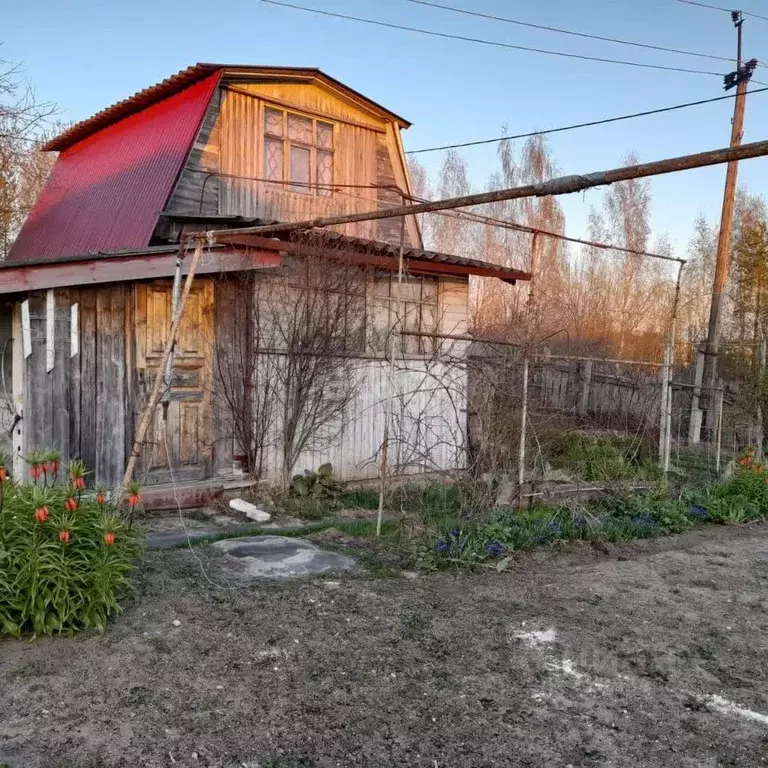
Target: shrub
(318, 485)
(602, 457)
(65, 556)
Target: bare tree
(286, 374)
(23, 168)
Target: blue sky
(86, 54)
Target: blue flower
(442, 545)
(554, 526)
(645, 521)
(455, 533)
(495, 548)
(699, 512)
(580, 520)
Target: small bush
(65, 556)
(603, 457)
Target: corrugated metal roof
(189, 76)
(379, 248)
(107, 190)
(371, 248)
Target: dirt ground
(651, 655)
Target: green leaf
(502, 565)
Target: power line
(588, 124)
(720, 8)
(570, 31)
(456, 215)
(493, 43)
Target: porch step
(163, 497)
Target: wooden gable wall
(222, 173)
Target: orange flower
(55, 466)
(64, 536)
(70, 504)
(35, 471)
(100, 498)
(744, 461)
(133, 499)
(41, 514)
(3, 474)
(78, 482)
(109, 538)
(758, 467)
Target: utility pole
(739, 78)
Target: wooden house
(87, 288)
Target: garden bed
(636, 658)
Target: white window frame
(286, 182)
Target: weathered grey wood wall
(83, 407)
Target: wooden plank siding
(197, 188)
(82, 407)
(231, 145)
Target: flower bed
(66, 555)
(740, 499)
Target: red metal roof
(186, 77)
(108, 188)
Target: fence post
(760, 437)
(694, 425)
(663, 407)
(586, 381)
(523, 424)
(719, 407)
(668, 414)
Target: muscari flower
(697, 511)
(580, 520)
(441, 545)
(455, 533)
(554, 526)
(645, 521)
(495, 548)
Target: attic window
(298, 150)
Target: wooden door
(186, 432)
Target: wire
(720, 8)
(588, 124)
(494, 43)
(570, 31)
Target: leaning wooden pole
(560, 186)
(157, 387)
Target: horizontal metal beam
(560, 186)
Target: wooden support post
(723, 259)
(154, 396)
(17, 385)
(586, 381)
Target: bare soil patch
(576, 658)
